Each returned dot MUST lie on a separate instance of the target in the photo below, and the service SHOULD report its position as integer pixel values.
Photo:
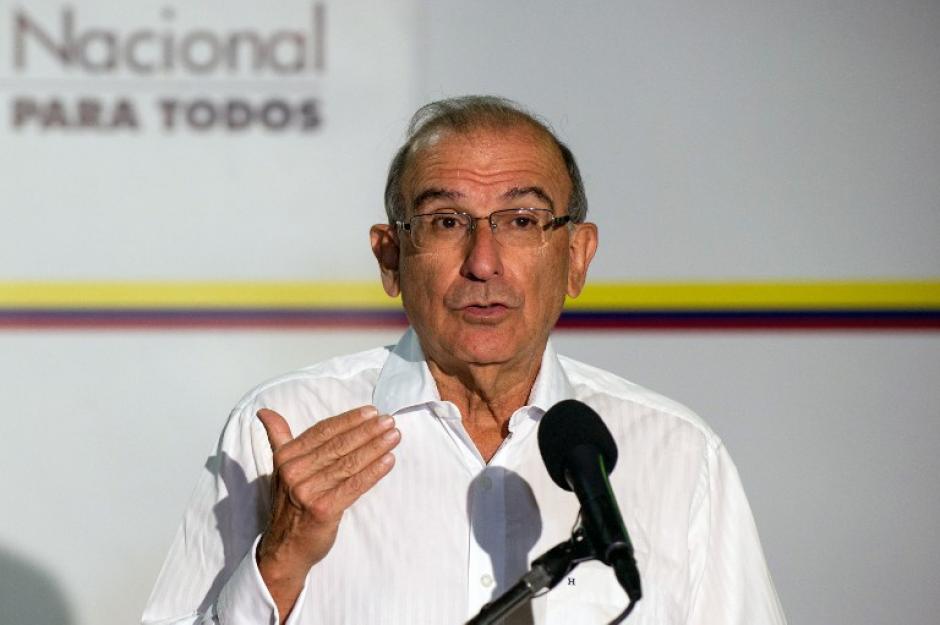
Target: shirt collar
(551, 385)
(405, 380)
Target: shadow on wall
(232, 521)
(29, 594)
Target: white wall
(737, 140)
(835, 435)
(726, 140)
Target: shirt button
(486, 580)
(486, 483)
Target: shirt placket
(482, 503)
(486, 506)
(485, 564)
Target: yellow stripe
(231, 295)
(846, 295)
(759, 295)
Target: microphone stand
(547, 570)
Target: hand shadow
(237, 529)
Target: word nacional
(167, 51)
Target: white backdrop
(746, 140)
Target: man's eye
(523, 222)
(445, 222)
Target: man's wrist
(245, 597)
(283, 573)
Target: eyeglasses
(511, 227)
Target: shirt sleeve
(731, 582)
(210, 575)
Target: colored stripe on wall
(903, 305)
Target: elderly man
(404, 485)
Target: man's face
(483, 303)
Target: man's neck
(487, 396)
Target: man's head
(464, 114)
(475, 295)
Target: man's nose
(483, 258)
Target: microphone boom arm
(547, 570)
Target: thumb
(276, 427)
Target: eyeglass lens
(513, 227)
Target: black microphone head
(567, 425)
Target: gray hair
(462, 115)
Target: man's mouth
(485, 310)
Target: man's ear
(385, 247)
(581, 250)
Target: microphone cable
(623, 615)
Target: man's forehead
(486, 138)
(530, 192)
(500, 156)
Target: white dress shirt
(445, 532)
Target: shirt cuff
(245, 599)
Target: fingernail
(386, 422)
(391, 435)
(369, 411)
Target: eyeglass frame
(556, 222)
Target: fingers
(279, 433)
(333, 449)
(314, 475)
(356, 485)
(378, 438)
(348, 448)
(329, 502)
(276, 427)
(320, 473)
(325, 431)
(333, 438)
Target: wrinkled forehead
(488, 156)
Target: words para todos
(197, 114)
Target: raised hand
(317, 476)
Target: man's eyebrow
(538, 192)
(435, 193)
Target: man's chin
(474, 344)
(486, 345)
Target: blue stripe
(914, 318)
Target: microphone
(579, 453)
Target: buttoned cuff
(245, 599)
